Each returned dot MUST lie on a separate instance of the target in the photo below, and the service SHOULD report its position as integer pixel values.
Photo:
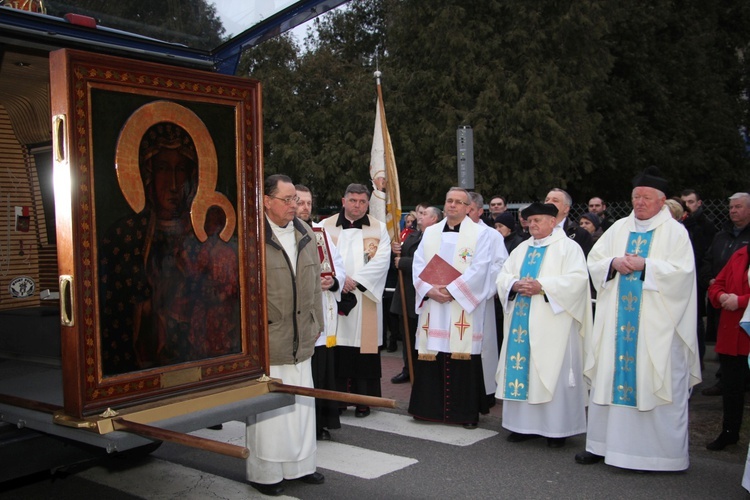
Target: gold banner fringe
(465, 356)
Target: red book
(438, 272)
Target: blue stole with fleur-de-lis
(518, 350)
(629, 293)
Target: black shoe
(588, 458)
(555, 442)
(272, 490)
(725, 439)
(314, 478)
(392, 346)
(715, 390)
(324, 435)
(470, 426)
(517, 437)
(216, 427)
(362, 411)
(401, 378)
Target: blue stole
(630, 292)
(518, 350)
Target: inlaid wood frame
(158, 179)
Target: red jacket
(731, 339)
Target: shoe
(272, 490)
(517, 437)
(470, 426)
(314, 478)
(588, 458)
(555, 442)
(401, 378)
(725, 439)
(715, 390)
(362, 411)
(216, 427)
(392, 347)
(324, 435)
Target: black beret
(651, 177)
(537, 208)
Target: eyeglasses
(291, 200)
(451, 201)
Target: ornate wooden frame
(96, 102)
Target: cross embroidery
(462, 325)
(426, 326)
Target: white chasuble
(566, 311)
(668, 310)
(366, 255)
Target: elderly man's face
(647, 202)
(304, 205)
(558, 200)
(541, 226)
(355, 205)
(171, 175)
(281, 207)
(428, 219)
(739, 211)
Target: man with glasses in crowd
(449, 383)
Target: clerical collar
(347, 224)
(280, 229)
(447, 228)
(541, 241)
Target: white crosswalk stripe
(359, 462)
(405, 425)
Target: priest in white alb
(449, 383)
(544, 290)
(642, 357)
(365, 248)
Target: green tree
(575, 94)
(319, 105)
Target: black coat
(408, 249)
(579, 235)
(701, 231)
(724, 244)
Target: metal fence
(716, 210)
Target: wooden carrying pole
(160, 434)
(344, 397)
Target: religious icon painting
(157, 171)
